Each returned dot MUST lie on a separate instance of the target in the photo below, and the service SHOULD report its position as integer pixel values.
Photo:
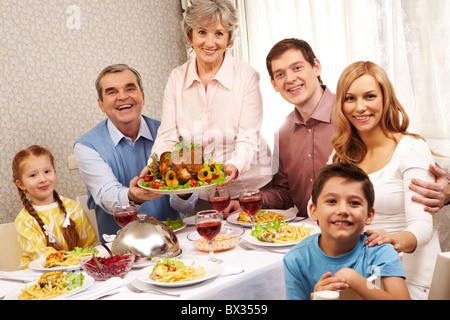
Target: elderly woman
(215, 100)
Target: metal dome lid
(149, 238)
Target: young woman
(372, 133)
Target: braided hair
(70, 234)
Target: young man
(337, 259)
(304, 137)
(111, 155)
(304, 146)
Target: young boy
(337, 259)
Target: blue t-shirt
(305, 263)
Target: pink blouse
(225, 118)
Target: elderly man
(111, 155)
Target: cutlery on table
(245, 247)
(137, 290)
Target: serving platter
(177, 191)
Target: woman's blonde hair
(210, 11)
(346, 141)
(70, 234)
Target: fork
(137, 290)
(243, 246)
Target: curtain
(408, 38)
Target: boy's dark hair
(347, 171)
(290, 43)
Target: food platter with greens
(185, 170)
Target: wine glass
(124, 213)
(219, 198)
(251, 203)
(208, 224)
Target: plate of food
(62, 261)
(144, 262)
(263, 217)
(175, 225)
(184, 170)
(52, 285)
(279, 234)
(179, 273)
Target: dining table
(248, 272)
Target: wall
(50, 55)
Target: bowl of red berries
(104, 268)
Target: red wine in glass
(209, 229)
(251, 205)
(124, 213)
(124, 218)
(219, 203)
(208, 224)
(219, 198)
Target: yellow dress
(32, 238)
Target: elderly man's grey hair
(114, 69)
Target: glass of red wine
(124, 213)
(251, 203)
(219, 198)
(208, 224)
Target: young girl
(48, 222)
(372, 133)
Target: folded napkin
(98, 289)
(19, 276)
(229, 270)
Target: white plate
(233, 218)
(87, 282)
(178, 191)
(146, 262)
(179, 229)
(39, 264)
(251, 239)
(212, 270)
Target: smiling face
(296, 79)
(38, 178)
(123, 101)
(210, 43)
(363, 104)
(341, 211)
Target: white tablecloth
(262, 279)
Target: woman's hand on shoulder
(378, 238)
(403, 241)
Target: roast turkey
(185, 163)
